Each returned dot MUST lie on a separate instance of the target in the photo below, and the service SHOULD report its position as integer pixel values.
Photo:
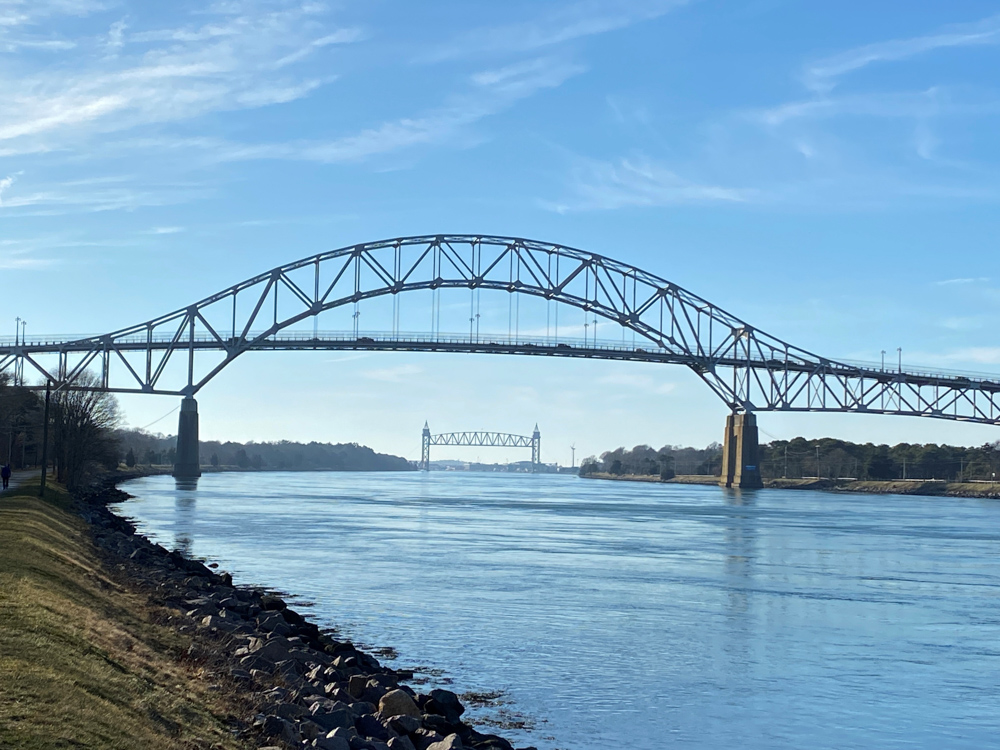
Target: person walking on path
(5, 475)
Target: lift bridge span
(481, 440)
(750, 370)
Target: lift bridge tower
(481, 439)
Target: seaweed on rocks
(296, 686)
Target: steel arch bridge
(482, 440)
(750, 370)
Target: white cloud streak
(575, 21)
(823, 74)
(494, 91)
(601, 185)
(5, 184)
(969, 280)
(238, 59)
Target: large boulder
(330, 720)
(451, 742)
(398, 703)
(332, 743)
(369, 726)
(445, 703)
(272, 602)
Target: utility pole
(883, 360)
(817, 462)
(572, 461)
(45, 439)
(785, 474)
(899, 349)
(17, 330)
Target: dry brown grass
(83, 660)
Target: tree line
(141, 448)
(86, 438)
(826, 458)
(666, 462)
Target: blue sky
(825, 171)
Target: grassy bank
(84, 660)
(894, 487)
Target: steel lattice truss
(483, 440)
(748, 369)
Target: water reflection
(740, 540)
(185, 506)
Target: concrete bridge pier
(188, 462)
(740, 453)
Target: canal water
(626, 615)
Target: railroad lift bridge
(660, 322)
(481, 440)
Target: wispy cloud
(823, 74)
(165, 230)
(601, 185)
(574, 21)
(5, 184)
(97, 195)
(22, 260)
(921, 104)
(116, 36)
(493, 91)
(240, 57)
(966, 280)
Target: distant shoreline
(930, 487)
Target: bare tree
(82, 431)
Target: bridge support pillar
(188, 462)
(740, 453)
(425, 448)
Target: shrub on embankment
(83, 660)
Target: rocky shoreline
(297, 686)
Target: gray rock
(356, 685)
(332, 743)
(449, 702)
(310, 730)
(273, 622)
(360, 708)
(401, 743)
(348, 734)
(404, 724)
(398, 703)
(274, 650)
(320, 703)
(451, 742)
(240, 675)
(369, 726)
(272, 602)
(288, 711)
(337, 719)
(253, 662)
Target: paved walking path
(18, 478)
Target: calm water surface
(661, 615)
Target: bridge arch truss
(750, 370)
